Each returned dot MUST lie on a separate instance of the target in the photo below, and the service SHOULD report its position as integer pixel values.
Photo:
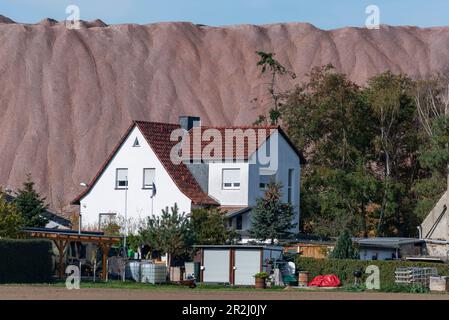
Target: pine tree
(210, 227)
(169, 233)
(10, 219)
(31, 205)
(344, 248)
(271, 218)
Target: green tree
(170, 233)
(344, 248)
(210, 227)
(397, 144)
(272, 218)
(267, 62)
(31, 205)
(433, 159)
(328, 118)
(11, 221)
(432, 104)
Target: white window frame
(234, 185)
(117, 181)
(145, 186)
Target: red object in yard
(329, 280)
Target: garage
(235, 264)
(247, 264)
(215, 267)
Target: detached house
(156, 165)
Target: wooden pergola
(62, 238)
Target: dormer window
(136, 143)
(231, 179)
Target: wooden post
(61, 245)
(232, 266)
(105, 248)
(202, 266)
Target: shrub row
(344, 269)
(25, 261)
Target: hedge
(25, 261)
(344, 269)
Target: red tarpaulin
(329, 280)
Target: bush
(25, 261)
(344, 270)
(344, 249)
(261, 275)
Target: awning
(62, 238)
(235, 211)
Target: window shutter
(122, 174)
(148, 177)
(231, 178)
(122, 178)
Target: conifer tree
(271, 218)
(344, 248)
(31, 205)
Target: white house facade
(140, 178)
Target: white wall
(250, 178)
(228, 197)
(250, 172)
(104, 198)
(382, 253)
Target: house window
(136, 143)
(231, 178)
(121, 178)
(290, 185)
(106, 221)
(148, 178)
(239, 222)
(265, 180)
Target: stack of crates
(412, 275)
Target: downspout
(419, 232)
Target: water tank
(153, 272)
(133, 270)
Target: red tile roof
(158, 137)
(238, 149)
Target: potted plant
(261, 278)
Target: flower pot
(260, 283)
(303, 278)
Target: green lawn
(116, 284)
(131, 285)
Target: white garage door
(247, 264)
(216, 266)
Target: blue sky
(325, 14)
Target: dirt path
(59, 293)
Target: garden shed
(235, 264)
(384, 248)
